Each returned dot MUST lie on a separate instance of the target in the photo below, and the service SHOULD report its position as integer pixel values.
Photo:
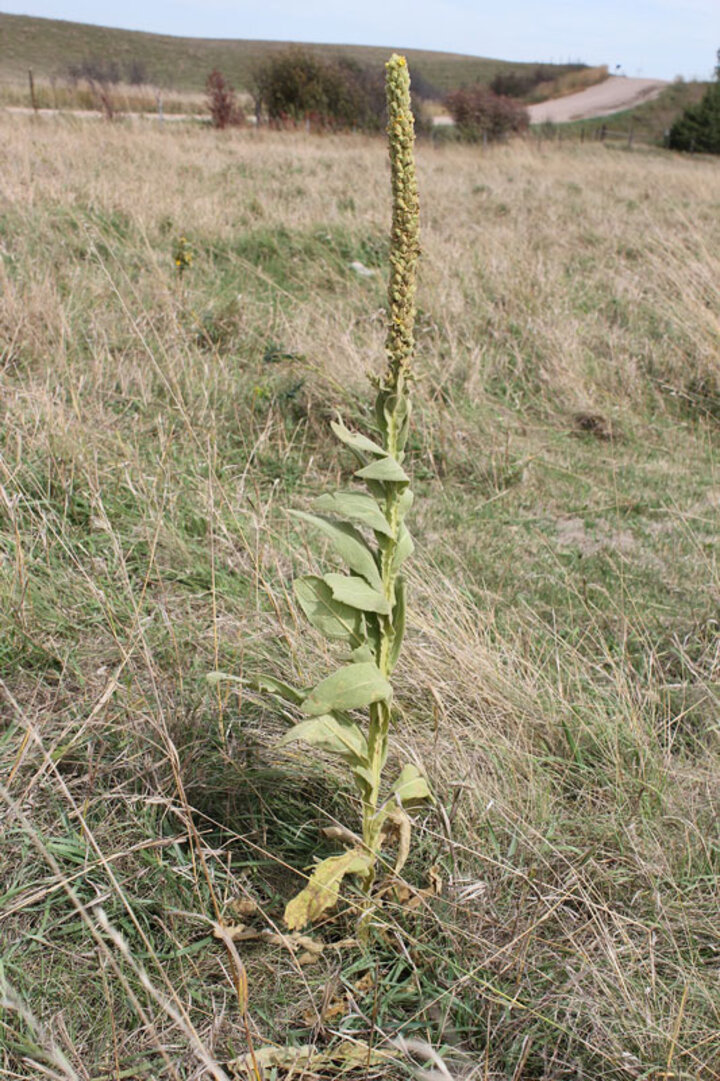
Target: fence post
(33, 99)
(160, 107)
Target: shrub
(699, 126)
(95, 69)
(136, 73)
(297, 86)
(519, 84)
(480, 114)
(222, 103)
(423, 89)
(102, 98)
(102, 71)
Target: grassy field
(562, 674)
(49, 46)
(125, 98)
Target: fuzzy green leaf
(357, 593)
(349, 545)
(373, 632)
(411, 785)
(226, 677)
(351, 687)
(388, 403)
(403, 549)
(364, 778)
(330, 617)
(358, 506)
(403, 430)
(363, 653)
(356, 440)
(333, 734)
(268, 684)
(323, 888)
(404, 503)
(398, 621)
(385, 469)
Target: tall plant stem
(392, 406)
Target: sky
(653, 38)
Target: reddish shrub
(480, 114)
(224, 109)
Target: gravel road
(611, 96)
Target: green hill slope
(50, 46)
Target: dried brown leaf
(346, 1056)
(231, 931)
(340, 833)
(323, 888)
(243, 907)
(397, 827)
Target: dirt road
(612, 96)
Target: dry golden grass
(561, 681)
(62, 94)
(571, 82)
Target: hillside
(50, 46)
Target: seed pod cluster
(405, 244)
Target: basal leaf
(226, 677)
(356, 440)
(333, 619)
(323, 888)
(358, 506)
(384, 469)
(398, 621)
(351, 687)
(357, 593)
(333, 734)
(268, 684)
(411, 785)
(349, 544)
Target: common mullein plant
(365, 609)
(182, 255)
